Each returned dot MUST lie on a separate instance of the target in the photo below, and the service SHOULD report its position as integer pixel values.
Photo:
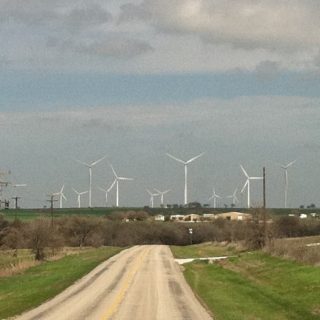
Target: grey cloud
(54, 15)
(116, 48)
(82, 17)
(248, 24)
(131, 12)
(267, 70)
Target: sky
(133, 80)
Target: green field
(203, 250)
(35, 285)
(255, 286)
(29, 214)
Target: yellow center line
(125, 286)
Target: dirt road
(143, 282)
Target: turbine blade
(75, 191)
(158, 191)
(84, 163)
(102, 189)
(84, 192)
(174, 158)
(115, 174)
(256, 178)
(63, 196)
(244, 186)
(99, 160)
(195, 158)
(291, 163)
(149, 192)
(244, 171)
(112, 185)
(125, 179)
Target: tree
(39, 233)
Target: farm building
(159, 217)
(238, 216)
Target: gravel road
(143, 282)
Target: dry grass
(17, 267)
(296, 249)
(11, 264)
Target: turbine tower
(185, 163)
(162, 193)
(247, 184)
(108, 190)
(117, 179)
(152, 195)
(286, 183)
(90, 165)
(234, 196)
(214, 197)
(79, 196)
(61, 196)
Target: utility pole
(51, 200)
(264, 207)
(16, 198)
(264, 187)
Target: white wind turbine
(247, 184)
(234, 196)
(108, 190)
(162, 193)
(152, 195)
(214, 197)
(79, 196)
(185, 163)
(117, 179)
(61, 196)
(285, 168)
(90, 165)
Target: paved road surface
(141, 283)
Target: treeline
(78, 231)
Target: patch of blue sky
(27, 91)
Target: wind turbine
(61, 195)
(214, 197)
(247, 183)
(117, 179)
(79, 196)
(185, 163)
(152, 195)
(162, 193)
(234, 196)
(90, 165)
(285, 168)
(108, 190)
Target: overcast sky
(238, 80)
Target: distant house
(192, 217)
(159, 217)
(303, 216)
(208, 216)
(177, 217)
(234, 216)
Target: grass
(29, 214)
(39, 283)
(203, 250)
(257, 286)
(7, 258)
